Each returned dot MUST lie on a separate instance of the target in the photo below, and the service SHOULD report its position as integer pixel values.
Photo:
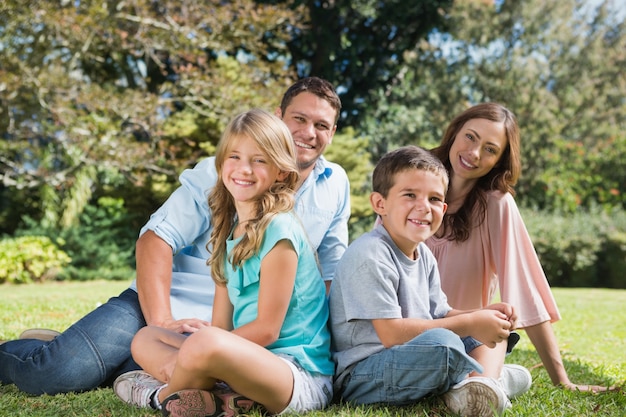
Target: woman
(483, 243)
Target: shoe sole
(475, 390)
(200, 403)
(40, 334)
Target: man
(173, 288)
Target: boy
(395, 337)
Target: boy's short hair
(402, 159)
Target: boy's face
(413, 209)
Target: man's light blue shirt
(184, 222)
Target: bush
(29, 259)
(585, 249)
(101, 245)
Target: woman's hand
(593, 389)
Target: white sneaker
(515, 379)
(136, 388)
(477, 397)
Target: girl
(268, 341)
(483, 244)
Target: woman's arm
(543, 338)
(278, 276)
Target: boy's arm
(488, 326)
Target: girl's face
(248, 172)
(477, 148)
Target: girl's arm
(222, 309)
(278, 276)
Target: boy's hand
(491, 326)
(506, 309)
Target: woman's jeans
(428, 364)
(91, 353)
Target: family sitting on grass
(409, 303)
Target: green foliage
(351, 152)
(359, 44)
(29, 259)
(584, 249)
(101, 245)
(97, 93)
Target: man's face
(311, 120)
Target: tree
(112, 94)
(359, 44)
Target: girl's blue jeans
(428, 364)
(91, 353)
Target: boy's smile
(413, 209)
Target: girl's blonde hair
(273, 137)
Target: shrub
(30, 258)
(584, 249)
(101, 245)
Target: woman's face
(477, 148)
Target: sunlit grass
(592, 338)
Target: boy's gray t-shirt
(376, 280)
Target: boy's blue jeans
(428, 364)
(92, 352)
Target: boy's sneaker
(220, 402)
(477, 397)
(515, 379)
(40, 334)
(136, 388)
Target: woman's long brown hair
(503, 176)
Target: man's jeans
(91, 353)
(428, 364)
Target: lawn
(592, 337)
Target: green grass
(592, 337)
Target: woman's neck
(457, 192)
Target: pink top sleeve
(498, 254)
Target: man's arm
(179, 222)
(154, 278)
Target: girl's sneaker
(220, 402)
(137, 388)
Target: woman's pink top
(498, 253)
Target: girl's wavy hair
(503, 176)
(273, 137)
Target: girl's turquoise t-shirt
(305, 334)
